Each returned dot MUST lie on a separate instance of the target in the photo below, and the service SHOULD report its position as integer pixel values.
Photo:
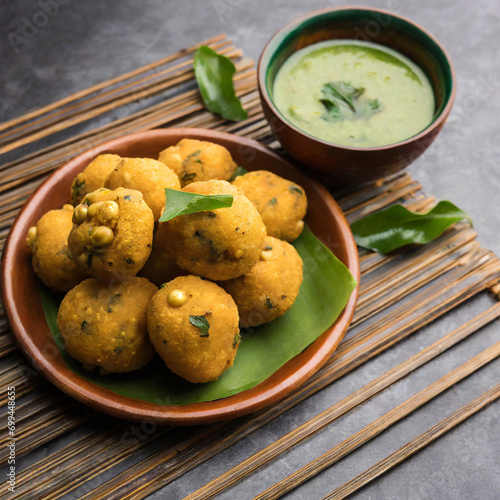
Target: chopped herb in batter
(237, 338)
(295, 188)
(200, 322)
(269, 303)
(192, 158)
(78, 188)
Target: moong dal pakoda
(196, 161)
(217, 244)
(112, 233)
(193, 325)
(93, 176)
(281, 203)
(148, 176)
(270, 288)
(48, 241)
(105, 324)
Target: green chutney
(354, 93)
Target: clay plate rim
(16, 267)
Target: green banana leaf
(396, 226)
(324, 293)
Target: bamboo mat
(399, 295)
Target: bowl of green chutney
(355, 93)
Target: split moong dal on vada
(181, 288)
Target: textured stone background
(86, 42)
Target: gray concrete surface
(86, 42)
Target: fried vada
(112, 233)
(281, 203)
(193, 325)
(105, 324)
(217, 244)
(271, 287)
(93, 176)
(195, 161)
(148, 176)
(48, 241)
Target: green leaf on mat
(214, 74)
(182, 203)
(396, 226)
(327, 286)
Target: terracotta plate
(24, 308)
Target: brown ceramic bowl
(24, 308)
(345, 164)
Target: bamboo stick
(105, 454)
(97, 111)
(113, 81)
(402, 330)
(20, 172)
(108, 95)
(245, 80)
(358, 194)
(376, 427)
(414, 281)
(376, 193)
(55, 477)
(151, 474)
(313, 426)
(7, 342)
(415, 445)
(464, 278)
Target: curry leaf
(341, 101)
(326, 288)
(182, 203)
(337, 92)
(396, 226)
(214, 74)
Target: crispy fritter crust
(188, 350)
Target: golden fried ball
(105, 324)
(281, 203)
(148, 176)
(161, 266)
(48, 241)
(193, 325)
(93, 176)
(271, 287)
(195, 161)
(218, 244)
(112, 233)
